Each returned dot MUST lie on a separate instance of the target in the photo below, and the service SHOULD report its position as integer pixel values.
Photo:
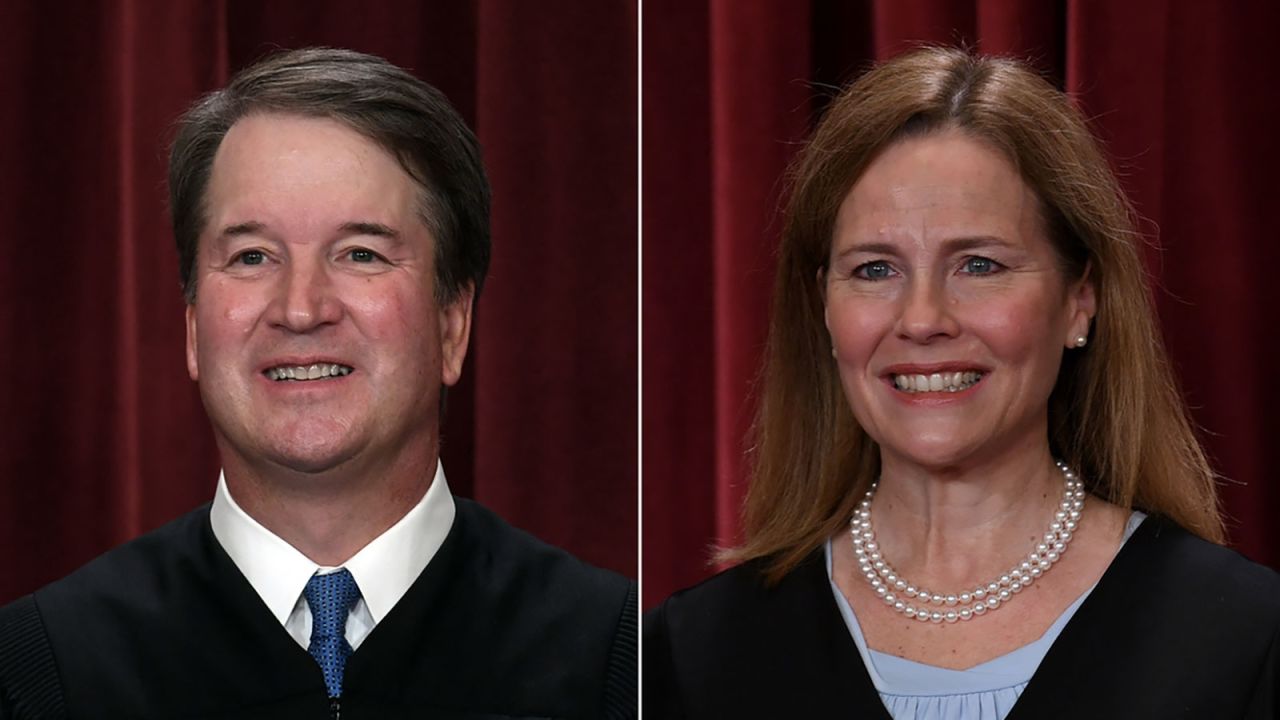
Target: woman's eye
(361, 255)
(980, 266)
(875, 270)
(251, 257)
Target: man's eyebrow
(252, 227)
(372, 229)
(369, 228)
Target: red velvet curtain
(1183, 95)
(102, 435)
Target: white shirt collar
(384, 569)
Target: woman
(976, 491)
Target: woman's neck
(949, 527)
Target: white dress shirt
(384, 569)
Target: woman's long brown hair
(1115, 413)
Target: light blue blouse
(916, 691)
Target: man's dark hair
(410, 119)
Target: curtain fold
(1178, 92)
(555, 408)
(104, 436)
(678, 447)
(759, 110)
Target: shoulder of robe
(141, 568)
(736, 645)
(575, 614)
(731, 598)
(1176, 627)
(122, 584)
(1225, 581)
(29, 684)
(513, 558)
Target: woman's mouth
(937, 382)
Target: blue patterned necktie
(331, 598)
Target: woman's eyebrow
(949, 246)
(870, 248)
(971, 242)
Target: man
(331, 216)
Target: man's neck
(329, 516)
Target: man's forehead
(277, 144)
(279, 170)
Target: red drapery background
(102, 435)
(1182, 94)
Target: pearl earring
(833, 351)
(1081, 341)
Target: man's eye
(875, 270)
(980, 266)
(250, 257)
(361, 255)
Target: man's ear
(193, 363)
(455, 333)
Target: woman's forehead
(934, 187)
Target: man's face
(314, 263)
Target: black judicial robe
(1176, 628)
(498, 625)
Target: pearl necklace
(927, 606)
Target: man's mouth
(937, 382)
(305, 373)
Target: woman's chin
(932, 454)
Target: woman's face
(947, 309)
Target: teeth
(937, 382)
(304, 372)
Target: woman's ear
(1082, 307)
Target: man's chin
(311, 463)
(313, 457)
(311, 447)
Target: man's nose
(307, 297)
(927, 312)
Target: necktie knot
(331, 598)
